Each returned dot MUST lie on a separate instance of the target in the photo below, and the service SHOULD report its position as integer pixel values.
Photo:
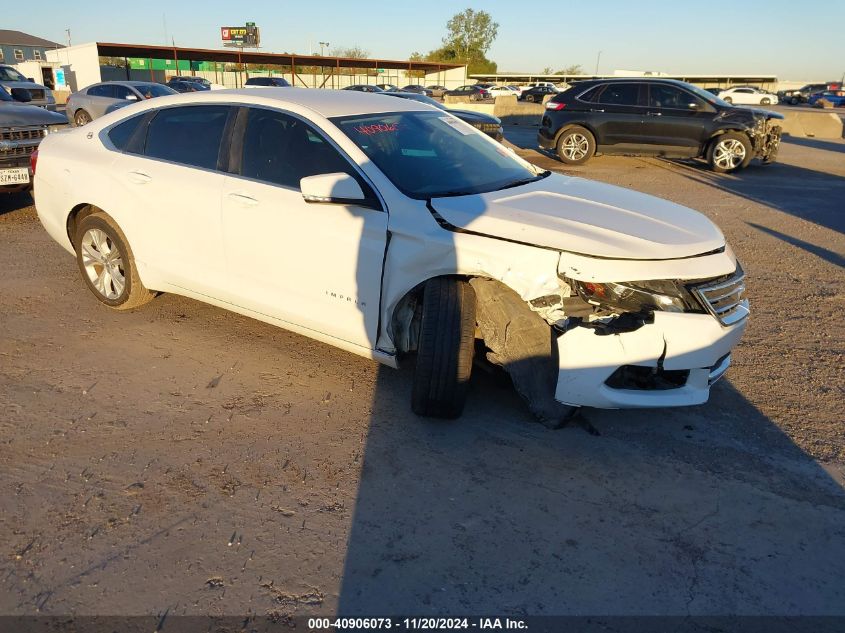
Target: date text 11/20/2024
(416, 624)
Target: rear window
(590, 95)
(189, 135)
(120, 135)
(620, 94)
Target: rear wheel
(793, 101)
(765, 101)
(445, 350)
(729, 152)
(107, 265)
(529, 98)
(728, 100)
(81, 118)
(576, 146)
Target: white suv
(392, 228)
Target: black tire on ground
(445, 350)
(765, 101)
(793, 101)
(81, 117)
(529, 98)
(728, 100)
(133, 294)
(574, 133)
(727, 136)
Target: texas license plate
(17, 176)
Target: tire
(765, 101)
(81, 117)
(728, 100)
(445, 350)
(115, 284)
(793, 101)
(729, 152)
(529, 98)
(576, 145)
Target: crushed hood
(585, 217)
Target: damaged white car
(395, 230)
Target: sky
(793, 40)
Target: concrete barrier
(813, 124)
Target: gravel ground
(183, 459)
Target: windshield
(432, 154)
(709, 97)
(10, 74)
(148, 91)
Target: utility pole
(598, 59)
(322, 45)
(68, 37)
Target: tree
(355, 52)
(547, 70)
(575, 69)
(470, 34)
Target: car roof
(125, 83)
(326, 102)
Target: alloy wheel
(729, 154)
(575, 147)
(103, 263)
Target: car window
(122, 92)
(662, 96)
(591, 94)
(121, 134)
(10, 74)
(103, 90)
(620, 94)
(743, 90)
(281, 149)
(190, 135)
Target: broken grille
(724, 298)
(20, 142)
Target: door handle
(595, 110)
(654, 113)
(243, 199)
(139, 177)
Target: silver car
(41, 95)
(99, 99)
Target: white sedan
(748, 96)
(390, 228)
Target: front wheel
(765, 101)
(576, 146)
(793, 101)
(729, 152)
(529, 98)
(107, 265)
(728, 100)
(445, 349)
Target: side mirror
(131, 97)
(21, 94)
(30, 80)
(336, 188)
(693, 106)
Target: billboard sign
(247, 36)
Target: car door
(317, 266)
(99, 99)
(676, 121)
(744, 96)
(171, 189)
(619, 113)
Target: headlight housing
(638, 296)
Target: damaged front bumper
(668, 363)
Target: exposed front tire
(445, 349)
(576, 146)
(81, 117)
(729, 152)
(107, 265)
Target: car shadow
(815, 143)
(710, 510)
(12, 202)
(829, 256)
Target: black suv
(661, 117)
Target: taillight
(33, 160)
(554, 105)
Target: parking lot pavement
(182, 458)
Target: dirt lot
(183, 459)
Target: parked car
(204, 83)
(802, 95)
(416, 90)
(267, 82)
(497, 91)
(22, 128)
(517, 89)
(388, 86)
(748, 95)
(836, 97)
(537, 93)
(97, 99)
(363, 88)
(474, 93)
(437, 91)
(660, 117)
(41, 95)
(539, 84)
(610, 297)
(184, 86)
(487, 123)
